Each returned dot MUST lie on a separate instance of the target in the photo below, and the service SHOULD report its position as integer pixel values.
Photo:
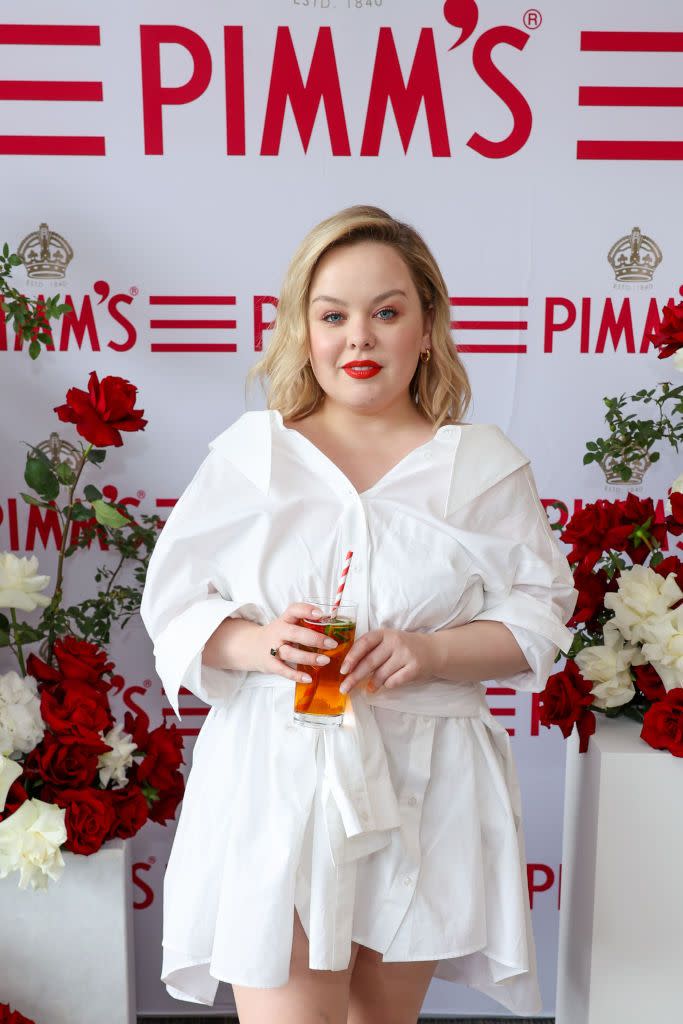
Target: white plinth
(66, 955)
(620, 955)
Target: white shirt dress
(400, 829)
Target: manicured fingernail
(316, 613)
(344, 668)
(307, 679)
(344, 688)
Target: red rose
(586, 531)
(649, 682)
(663, 723)
(79, 659)
(633, 513)
(163, 809)
(668, 337)
(69, 764)
(163, 756)
(130, 812)
(41, 671)
(10, 1016)
(89, 818)
(101, 412)
(77, 713)
(592, 587)
(674, 522)
(564, 702)
(137, 728)
(15, 798)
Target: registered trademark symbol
(532, 18)
(134, 290)
(147, 683)
(151, 860)
(140, 494)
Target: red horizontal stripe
(192, 323)
(491, 348)
(502, 711)
(500, 691)
(50, 35)
(494, 325)
(630, 96)
(52, 145)
(51, 91)
(189, 347)
(192, 300)
(633, 42)
(487, 300)
(599, 149)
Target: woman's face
(363, 306)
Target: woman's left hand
(393, 657)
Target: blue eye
(386, 309)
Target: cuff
(540, 652)
(178, 651)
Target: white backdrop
(183, 176)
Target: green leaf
(107, 515)
(91, 492)
(5, 250)
(15, 260)
(65, 473)
(79, 512)
(41, 478)
(97, 455)
(34, 501)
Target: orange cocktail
(320, 702)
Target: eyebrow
(377, 298)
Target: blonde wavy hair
(440, 387)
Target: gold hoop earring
(426, 355)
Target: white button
(408, 880)
(412, 800)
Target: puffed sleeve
(527, 580)
(186, 595)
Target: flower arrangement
(70, 776)
(627, 656)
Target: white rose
(29, 843)
(643, 597)
(113, 763)
(21, 723)
(608, 667)
(676, 486)
(19, 584)
(664, 648)
(9, 771)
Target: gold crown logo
(634, 257)
(45, 254)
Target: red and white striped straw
(342, 583)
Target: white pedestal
(66, 955)
(620, 957)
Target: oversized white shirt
(400, 829)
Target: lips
(362, 370)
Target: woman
(329, 874)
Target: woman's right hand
(283, 632)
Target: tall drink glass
(319, 703)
